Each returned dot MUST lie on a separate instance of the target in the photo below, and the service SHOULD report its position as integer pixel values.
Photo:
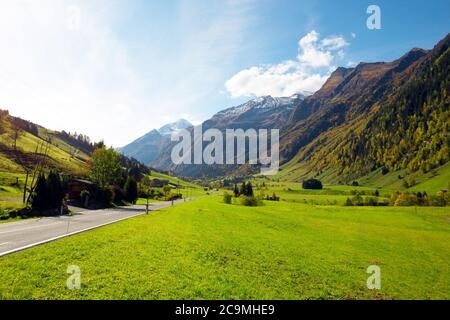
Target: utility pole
(148, 197)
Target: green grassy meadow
(60, 157)
(206, 249)
(59, 153)
(432, 181)
(10, 193)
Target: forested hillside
(380, 116)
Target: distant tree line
(78, 141)
(439, 199)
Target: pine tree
(131, 190)
(249, 189)
(55, 192)
(243, 190)
(39, 197)
(236, 191)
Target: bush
(167, 189)
(119, 195)
(4, 215)
(313, 184)
(85, 195)
(371, 201)
(227, 198)
(357, 200)
(173, 196)
(406, 199)
(273, 197)
(105, 196)
(409, 182)
(249, 201)
(348, 202)
(441, 199)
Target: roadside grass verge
(206, 249)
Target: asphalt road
(17, 236)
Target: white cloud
(334, 43)
(260, 81)
(307, 73)
(62, 67)
(353, 35)
(84, 65)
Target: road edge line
(28, 246)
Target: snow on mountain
(173, 127)
(265, 102)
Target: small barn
(76, 186)
(157, 183)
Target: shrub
(4, 215)
(440, 199)
(312, 184)
(348, 202)
(371, 201)
(249, 201)
(358, 200)
(105, 196)
(173, 196)
(119, 195)
(409, 181)
(273, 197)
(85, 195)
(406, 199)
(227, 198)
(167, 189)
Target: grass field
(171, 179)
(58, 153)
(11, 194)
(432, 181)
(209, 250)
(329, 195)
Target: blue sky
(115, 69)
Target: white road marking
(4, 243)
(139, 213)
(65, 235)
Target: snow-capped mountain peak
(175, 126)
(265, 102)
